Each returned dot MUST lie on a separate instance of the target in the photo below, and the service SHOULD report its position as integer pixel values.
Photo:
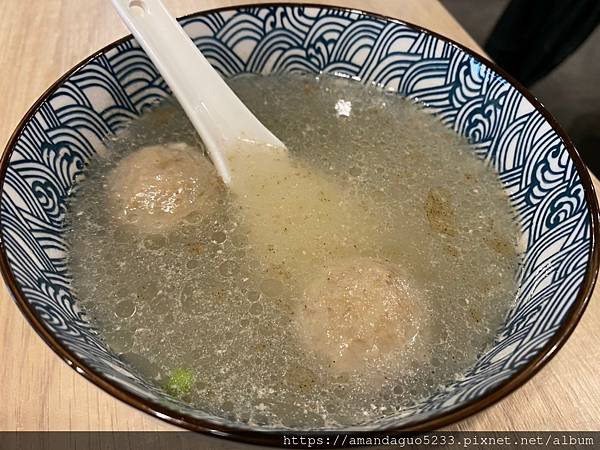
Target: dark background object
(552, 46)
(532, 37)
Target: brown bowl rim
(273, 438)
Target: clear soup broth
(367, 278)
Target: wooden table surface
(40, 40)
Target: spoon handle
(219, 116)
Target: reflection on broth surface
(332, 288)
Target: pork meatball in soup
(361, 314)
(155, 187)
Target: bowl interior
(537, 169)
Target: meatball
(360, 315)
(156, 187)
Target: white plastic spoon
(219, 116)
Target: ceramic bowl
(537, 164)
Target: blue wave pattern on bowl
(505, 129)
